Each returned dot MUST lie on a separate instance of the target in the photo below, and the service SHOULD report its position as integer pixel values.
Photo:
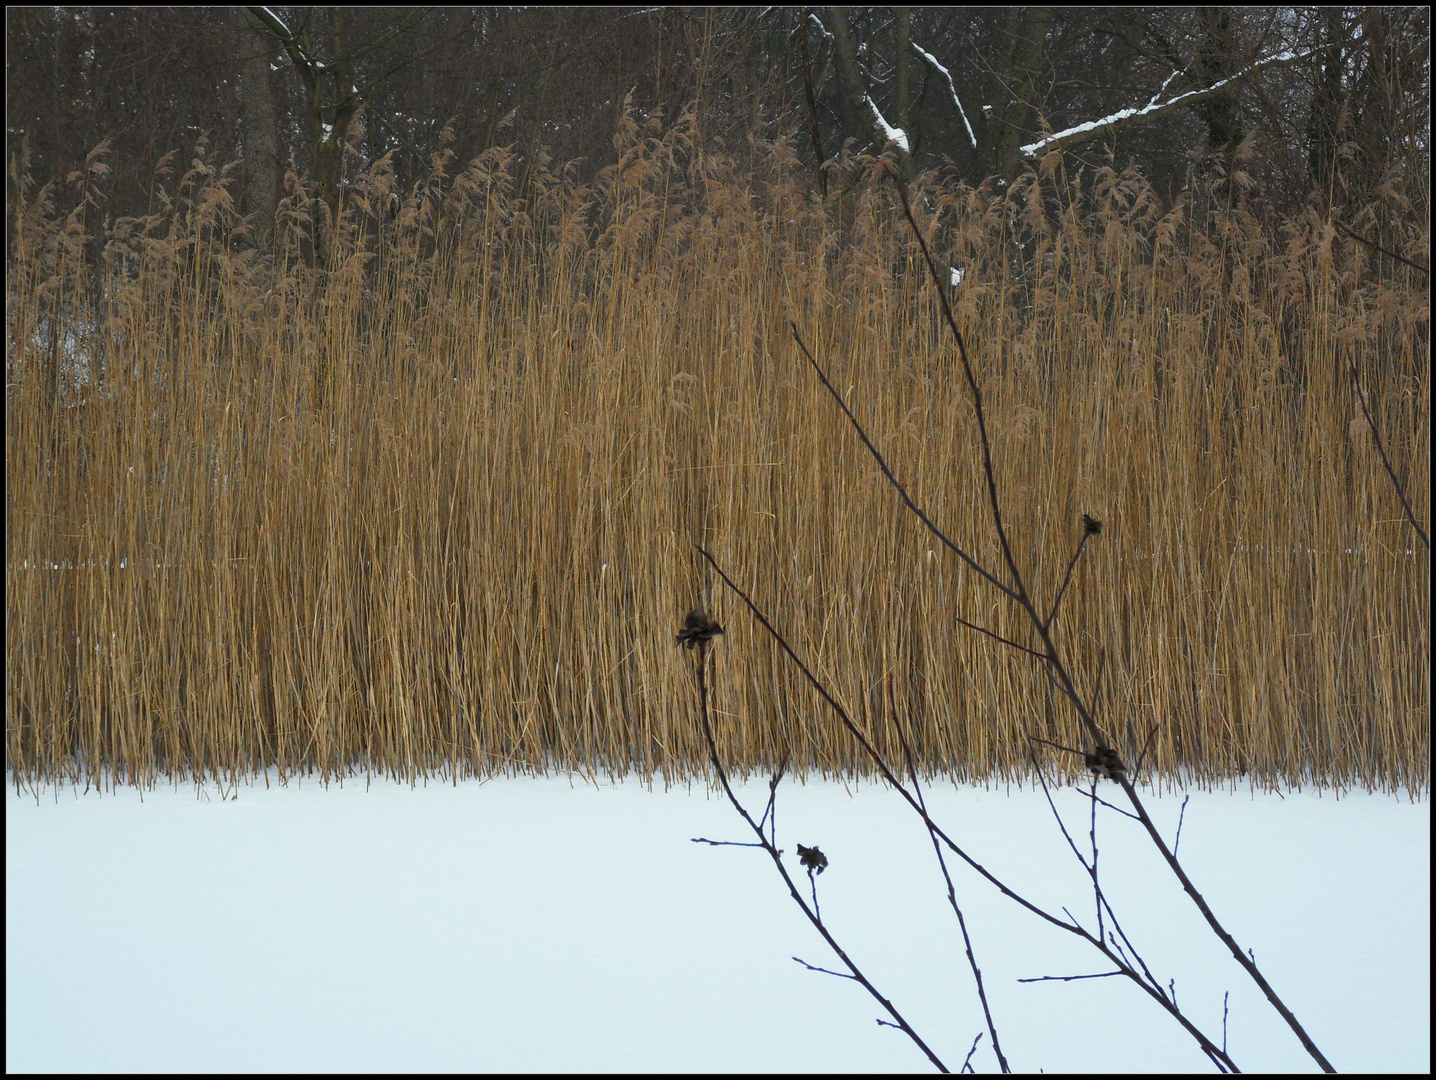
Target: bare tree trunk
(1217, 60)
(811, 96)
(1326, 104)
(329, 167)
(849, 77)
(858, 105)
(902, 78)
(1014, 117)
(259, 133)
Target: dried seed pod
(697, 629)
(812, 859)
(1105, 763)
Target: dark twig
(772, 807)
(1018, 591)
(883, 465)
(1071, 978)
(1103, 802)
(1066, 579)
(1117, 945)
(1126, 947)
(723, 843)
(1180, 818)
(957, 910)
(967, 1061)
(1057, 670)
(828, 971)
(1143, 755)
(1361, 394)
(1096, 888)
(1055, 745)
(1226, 998)
(1377, 247)
(1213, 1052)
(1386, 461)
(999, 637)
(773, 853)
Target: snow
(952, 89)
(819, 23)
(890, 133)
(549, 924)
(276, 20)
(1152, 107)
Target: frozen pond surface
(535, 924)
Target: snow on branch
(892, 134)
(272, 17)
(306, 64)
(1151, 111)
(952, 88)
(819, 24)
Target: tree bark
(1014, 117)
(858, 106)
(849, 77)
(1217, 60)
(1326, 103)
(259, 131)
(903, 75)
(811, 97)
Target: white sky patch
(1034, 148)
(892, 134)
(951, 86)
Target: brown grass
(432, 507)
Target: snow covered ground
(545, 924)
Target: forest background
(371, 374)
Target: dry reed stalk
(427, 507)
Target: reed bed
(425, 502)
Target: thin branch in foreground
(1067, 577)
(896, 483)
(723, 843)
(957, 910)
(1213, 1052)
(1377, 247)
(771, 811)
(1180, 818)
(1103, 802)
(1226, 1000)
(1148, 981)
(967, 1061)
(1070, 978)
(828, 971)
(1361, 394)
(703, 644)
(1386, 461)
(1143, 755)
(1056, 671)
